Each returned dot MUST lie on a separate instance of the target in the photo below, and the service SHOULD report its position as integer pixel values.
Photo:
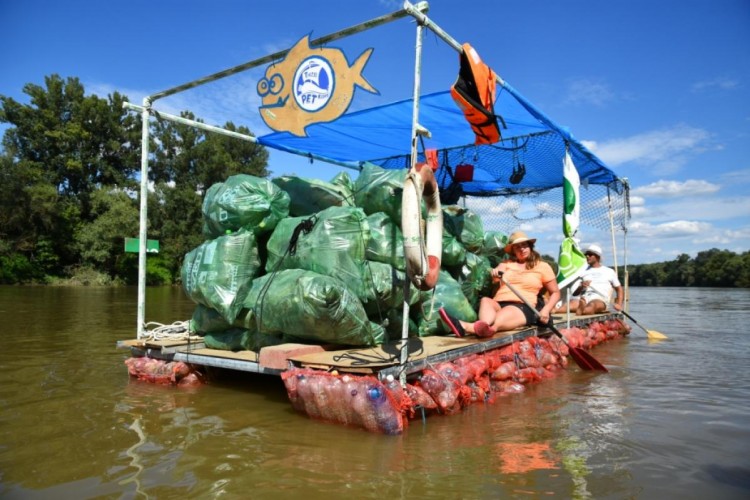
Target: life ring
(422, 261)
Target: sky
(659, 90)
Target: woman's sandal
(453, 323)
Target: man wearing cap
(597, 283)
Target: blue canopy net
(526, 162)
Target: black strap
(305, 226)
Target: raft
(359, 387)
(332, 265)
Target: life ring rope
(422, 249)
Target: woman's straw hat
(517, 237)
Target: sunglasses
(589, 254)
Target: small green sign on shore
(132, 245)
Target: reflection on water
(670, 418)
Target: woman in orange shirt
(528, 274)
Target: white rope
(179, 330)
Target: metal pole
(626, 278)
(612, 228)
(415, 130)
(192, 123)
(143, 233)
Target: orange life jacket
(474, 92)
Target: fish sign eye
(276, 84)
(262, 87)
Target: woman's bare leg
(509, 318)
(564, 307)
(594, 307)
(488, 310)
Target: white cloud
(588, 92)
(671, 189)
(701, 208)
(714, 239)
(663, 151)
(736, 177)
(743, 233)
(721, 83)
(673, 229)
(635, 200)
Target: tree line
(710, 268)
(69, 184)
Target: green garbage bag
(494, 247)
(454, 252)
(384, 288)
(465, 225)
(392, 322)
(218, 273)
(346, 184)
(474, 278)
(386, 243)
(243, 201)
(379, 190)
(309, 196)
(207, 320)
(308, 305)
(240, 339)
(447, 294)
(335, 246)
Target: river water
(670, 419)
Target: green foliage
(16, 268)
(84, 276)
(177, 234)
(68, 172)
(101, 241)
(710, 268)
(158, 270)
(191, 157)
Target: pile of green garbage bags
(292, 259)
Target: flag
(571, 262)
(571, 198)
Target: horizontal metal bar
(276, 56)
(217, 362)
(192, 123)
(237, 135)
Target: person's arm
(579, 289)
(620, 297)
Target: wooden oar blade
(654, 335)
(585, 360)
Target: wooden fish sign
(310, 86)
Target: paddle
(582, 358)
(652, 334)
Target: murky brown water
(669, 420)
